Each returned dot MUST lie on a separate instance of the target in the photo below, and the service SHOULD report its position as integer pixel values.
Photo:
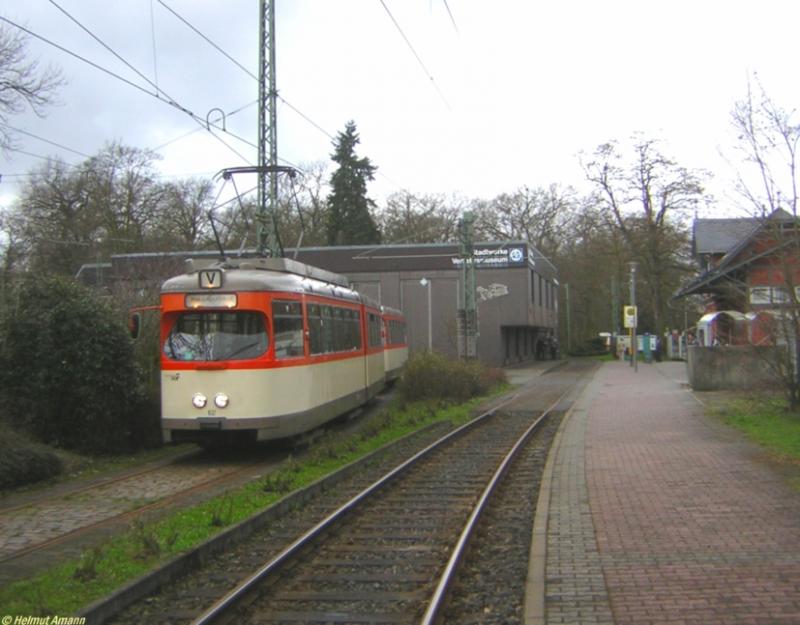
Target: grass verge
(98, 572)
(765, 420)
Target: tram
(267, 348)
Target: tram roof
(265, 274)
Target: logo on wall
(492, 291)
(515, 255)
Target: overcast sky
(511, 90)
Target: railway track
(374, 559)
(388, 554)
(35, 529)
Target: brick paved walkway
(673, 512)
(575, 590)
(48, 519)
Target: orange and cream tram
(266, 348)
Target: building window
(771, 294)
(541, 291)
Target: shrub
(66, 368)
(432, 376)
(23, 461)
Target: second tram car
(395, 342)
(269, 348)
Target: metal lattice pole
(268, 244)
(469, 303)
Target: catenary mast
(268, 243)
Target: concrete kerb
(534, 602)
(101, 610)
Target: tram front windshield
(209, 335)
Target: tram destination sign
(211, 300)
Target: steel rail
(219, 609)
(438, 599)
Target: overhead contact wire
(156, 94)
(414, 52)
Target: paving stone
(659, 513)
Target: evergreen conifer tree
(350, 221)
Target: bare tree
(68, 215)
(305, 207)
(647, 200)
(540, 216)
(52, 222)
(125, 193)
(182, 220)
(409, 218)
(23, 84)
(768, 139)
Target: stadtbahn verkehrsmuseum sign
(495, 257)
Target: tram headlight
(221, 400)
(199, 400)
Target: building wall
(404, 291)
(730, 368)
(507, 315)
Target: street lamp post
(634, 339)
(427, 283)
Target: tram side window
(339, 329)
(315, 329)
(353, 330)
(348, 336)
(397, 332)
(287, 321)
(333, 329)
(327, 329)
(320, 328)
(374, 328)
